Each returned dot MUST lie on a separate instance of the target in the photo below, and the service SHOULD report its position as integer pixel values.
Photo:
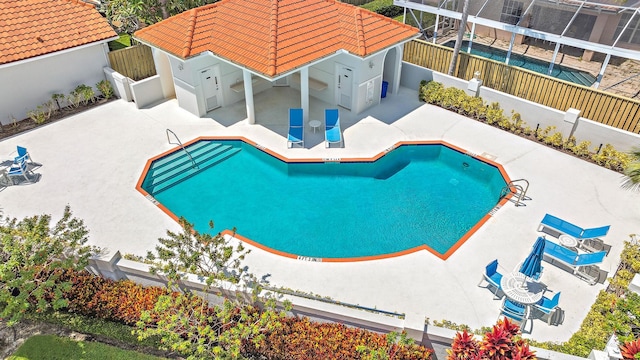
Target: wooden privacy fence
(609, 109)
(135, 62)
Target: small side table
(315, 124)
(568, 241)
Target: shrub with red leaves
(631, 350)
(300, 338)
(503, 342)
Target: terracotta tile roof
(30, 28)
(275, 36)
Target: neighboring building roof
(275, 36)
(30, 28)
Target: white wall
(147, 91)
(190, 91)
(163, 69)
(29, 83)
(532, 113)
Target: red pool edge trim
(444, 256)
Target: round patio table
(568, 241)
(315, 124)
(521, 289)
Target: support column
(397, 71)
(513, 39)
(304, 92)
(601, 73)
(553, 58)
(248, 96)
(473, 31)
(435, 28)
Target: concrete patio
(92, 161)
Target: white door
(345, 87)
(211, 89)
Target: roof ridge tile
(186, 49)
(361, 45)
(273, 38)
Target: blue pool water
(539, 66)
(414, 195)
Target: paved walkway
(93, 160)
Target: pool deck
(93, 160)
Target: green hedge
(457, 100)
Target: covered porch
(272, 114)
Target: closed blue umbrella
(532, 265)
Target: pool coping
(374, 158)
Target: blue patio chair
(296, 128)
(332, 132)
(549, 306)
(515, 311)
(22, 153)
(565, 227)
(493, 277)
(19, 169)
(583, 266)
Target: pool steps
(177, 167)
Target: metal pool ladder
(193, 163)
(514, 187)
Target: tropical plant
(397, 346)
(127, 16)
(502, 342)
(86, 93)
(58, 98)
(630, 350)
(30, 252)
(42, 113)
(612, 159)
(464, 346)
(632, 171)
(184, 322)
(105, 88)
(74, 98)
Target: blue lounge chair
(296, 128)
(515, 311)
(22, 153)
(493, 277)
(332, 132)
(582, 265)
(565, 227)
(19, 169)
(549, 306)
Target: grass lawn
(56, 347)
(122, 42)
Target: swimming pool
(539, 66)
(416, 196)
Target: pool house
(229, 52)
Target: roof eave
(59, 52)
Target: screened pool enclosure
(608, 27)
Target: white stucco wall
(190, 97)
(29, 83)
(188, 73)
